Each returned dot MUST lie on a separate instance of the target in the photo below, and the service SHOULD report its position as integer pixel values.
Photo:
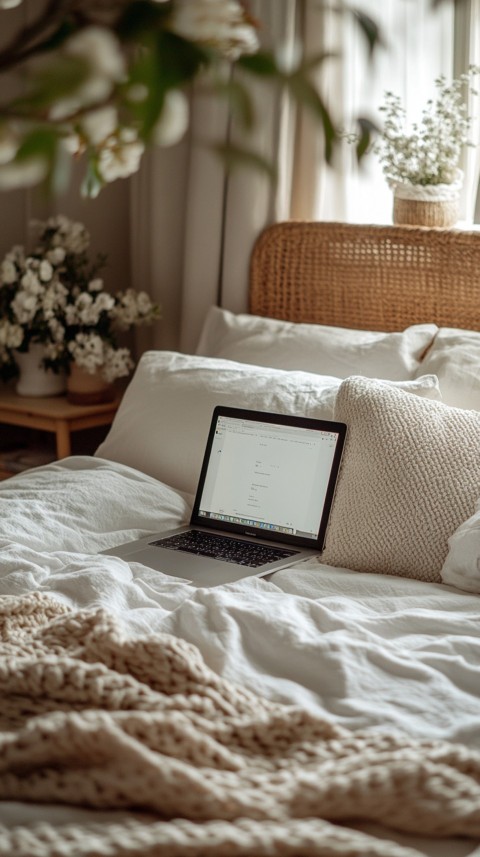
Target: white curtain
(467, 52)
(193, 226)
(418, 47)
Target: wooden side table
(54, 414)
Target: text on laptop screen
(270, 476)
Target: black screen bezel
(280, 419)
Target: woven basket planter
(430, 205)
(417, 212)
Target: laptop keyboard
(224, 548)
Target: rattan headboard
(368, 277)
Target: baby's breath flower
(428, 153)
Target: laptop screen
(268, 474)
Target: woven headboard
(368, 277)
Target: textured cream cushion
(410, 476)
(336, 351)
(455, 358)
(162, 424)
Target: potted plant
(421, 163)
(55, 310)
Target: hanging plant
(101, 80)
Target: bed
(332, 708)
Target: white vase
(427, 205)
(34, 380)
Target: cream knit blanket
(94, 716)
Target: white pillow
(334, 351)
(462, 565)
(162, 424)
(455, 358)
(410, 476)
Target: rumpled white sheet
(369, 651)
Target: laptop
(263, 500)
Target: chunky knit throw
(95, 716)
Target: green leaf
(142, 18)
(51, 83)
(370, 29)
(237, 156)
(261, 64)
(92, 183)
(178, 60)
(57, 38)
(305, 93)
(167, 62)
(313, 62)
(367, 129)
(39, 142)
(44, 142)
(58, 177)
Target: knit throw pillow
(410, 476)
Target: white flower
(86, 311)
(87, 351)
(54, 300)
(99, 124)
(16, 254)
(30, 282)
(56, 256)
(104, 302)
(53, 350)
(68, 237)
(100, 49)
(120, 156)
(46, 271)
(24, 307)
(95, 285)
(118, 364)
(8, 273)
(428, 153)
(17, 174)
(73, 316)
(219, 23)
(144, 303)
(173, 120)
(72, 144)
(8, 144)
(11, 335)
(57, 330)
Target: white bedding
(368, 651)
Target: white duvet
(368, 651)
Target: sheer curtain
(467, 52)
(192, 225)
(418, 47)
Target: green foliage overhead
(101, 80)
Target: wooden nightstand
(53, 414)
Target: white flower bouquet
(429, 152)
(54, 296)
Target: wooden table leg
(62, 432)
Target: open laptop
(263, 500)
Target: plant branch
(31, 38)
